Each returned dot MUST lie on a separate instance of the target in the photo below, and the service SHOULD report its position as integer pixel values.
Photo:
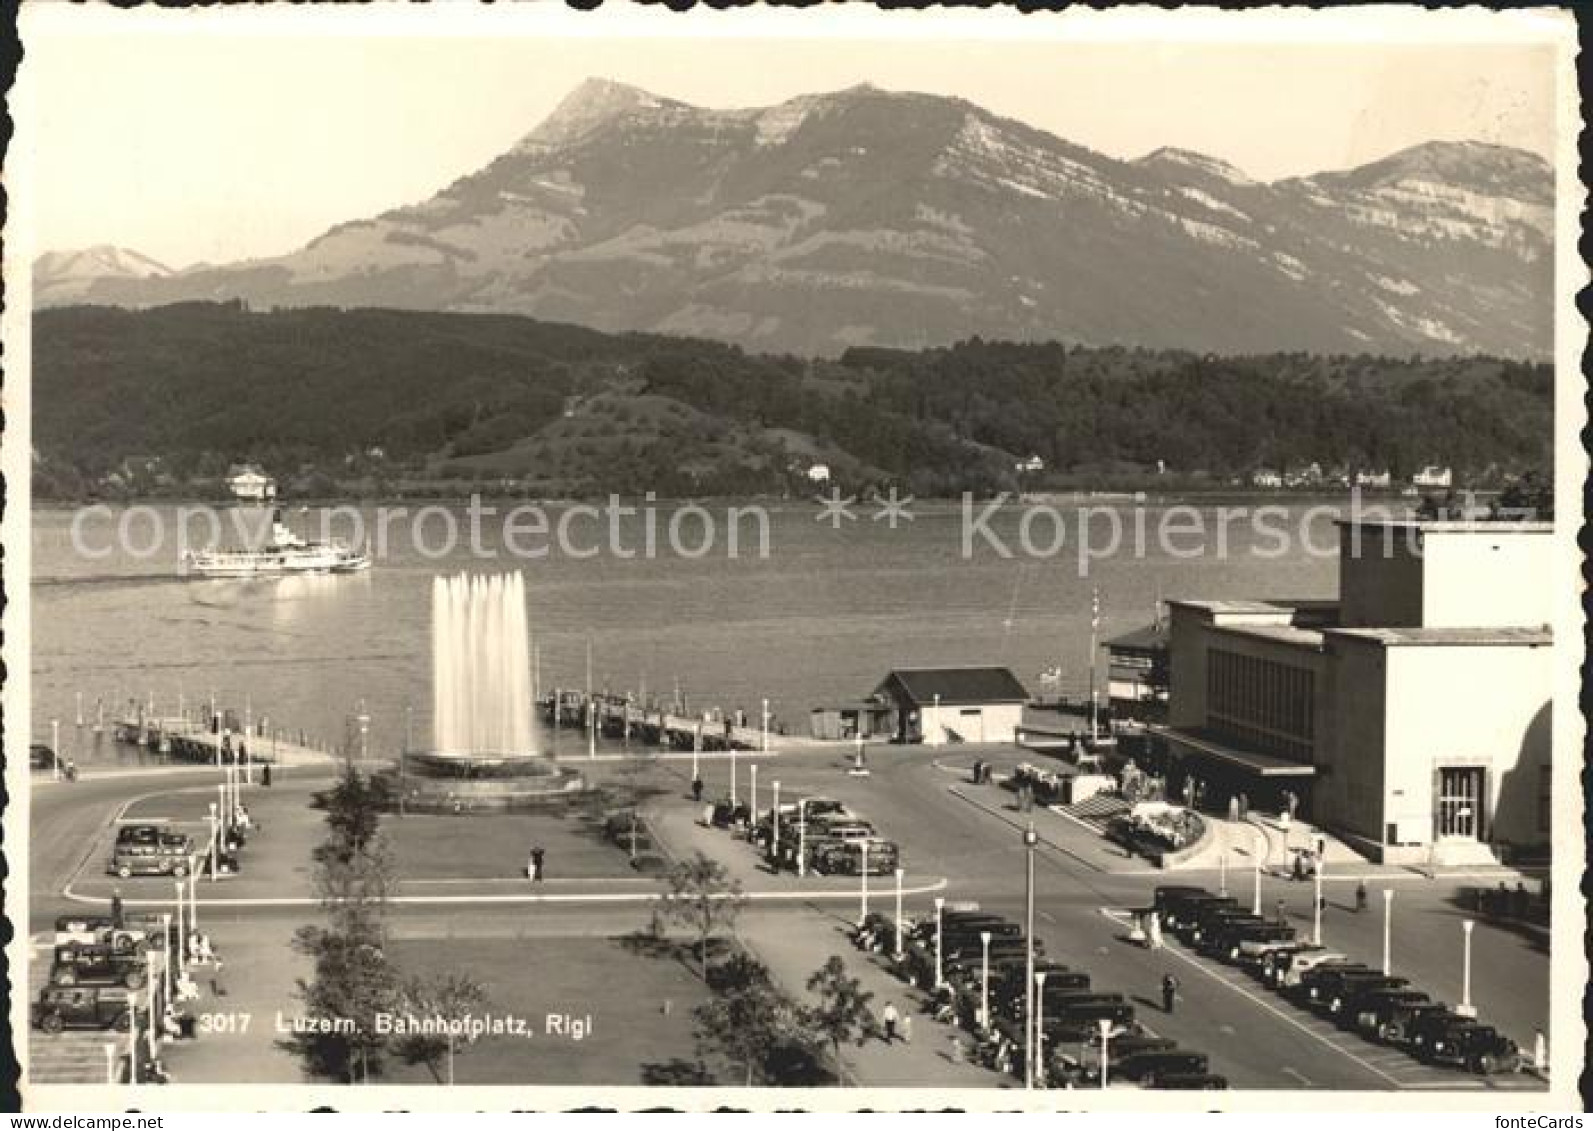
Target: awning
(1254, 761)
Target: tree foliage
(700, 896)
(749, 1022)
(449, 999)
(842, 1013)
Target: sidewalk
(794, 948)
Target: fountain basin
(436, 782)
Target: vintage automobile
(76, 964)
(150, 860)
(1147, 1067)
(153, 832)
(138, 929)
(83, 1007)
(1245, 945)
(1182, 908)
(1307, 987)
(1386, 1015)
(1210, 918)
(845, 858)
(1469, 1044)
(1287, 970)
(1333, 993)
(1082, 1021)
(40, 756)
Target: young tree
(842, 1015)
(748, 1020)
(354, 812)
(449, 999)
(700, 896)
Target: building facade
(940, 705)
(1409, 716)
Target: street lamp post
(984, 979)
(774, 826)
(1030, 840)
(1465, 1008)
(752, 805)
(171, 974)
(1316, 907)
(862, 872)
(733, 797)
(1222, 874)
(940, 910)
(1388, 931)
(1039, 1031)
(897, 953)
(802, 837)
(764, 744)
(215, 834)
(193, 902)
(182, 937)
(696, 747)
(1106, 1038)
(1255, 906)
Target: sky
(206, 141)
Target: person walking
(538, 864)
(891, 1019)
(265, 775)
(1360, 896)
(696, 790)
(116, 908)
(1169, 993)
(1244, 806)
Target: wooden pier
(193, 740)
(619, 717)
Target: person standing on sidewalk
(117, 917)
(1360, 896)
(1169, 992)
(891, 1019)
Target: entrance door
(1459, 802)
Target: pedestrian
(1291, 801)
(907, 1028)
(1233, 807)
(1360, 896)
(1169, 992)
(1244, 806)
(1299, 866)
(1154, 934)
(696, 790)
(978, 771)
(116, 908)
(891, 1018)
(265, 775)
(530, 866)
(538, 858)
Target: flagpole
(1095, 624)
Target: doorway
(1460, 803)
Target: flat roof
(1453, 637)
(1260, 605)
(1280, 633)
(1256, 761)
(1452, 525)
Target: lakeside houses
(249, 483)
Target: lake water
(822, 617)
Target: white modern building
(940, 705)
(1410, 715)
(249, 483)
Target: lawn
(635, 1009)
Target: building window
(1261, 703)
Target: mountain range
(872, 218)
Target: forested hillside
(162, 399)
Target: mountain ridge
(903, 219)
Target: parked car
(1335, 992)
(1210, 918)
(1307, 987)
(1081, 1022)
(83, 1007)
(1472, 1045)
(79, 965)
(1369, 1012)
(1167, 896)
(1397, 1020)
(1182, 909)
(1289, 969)
(1147, 1067)
(1246, 945)
(40, 756)
(150, 860)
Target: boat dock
(192, 740)
(620, 717)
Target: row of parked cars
(1381, 1007)
(99, 968)
(837, 840)
(1071, 1008)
